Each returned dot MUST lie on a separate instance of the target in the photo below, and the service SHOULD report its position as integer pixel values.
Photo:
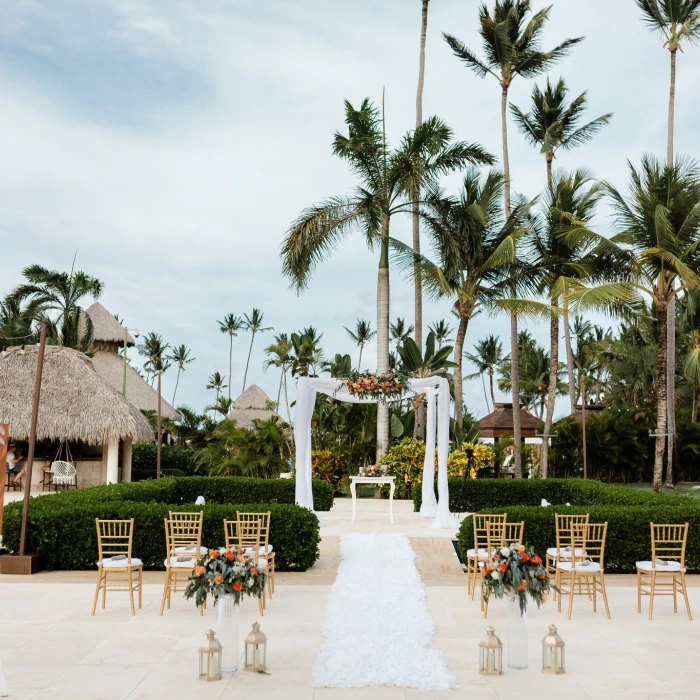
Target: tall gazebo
(251, 404)
(500, 422)
(76, 405)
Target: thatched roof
(251, 404)
(591, 410)
(139, 392)
(500, 422)
(75, 404)
(107, 332)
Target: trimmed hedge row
(498, 493)
(64, 530)
(628, 538)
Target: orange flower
(540, 577)
(522, 586)
(520, 548)
(239, 550)
(218, 579)
(503, 567)
(199, 570)
(489, 566)
(213, 554)
(536, 560)
(484, 571)
(524, 557)
(229, 555)
(545, 597)
(236, 585)
(254, 571)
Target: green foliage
(629, 535)
(405, 462)
(499, 493)
(458, 461)
(328, 466)
(143, 465)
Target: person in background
(46, 467)
(13, 459)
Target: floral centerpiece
(372, 471)
(516, 571)
(225, 572)
(377, 386)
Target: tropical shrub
(329, 467)
(405, 462)
(458, 462)
(175, 461)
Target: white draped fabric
(438, 421)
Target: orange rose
(213, 554)
(236, 585)
(540, 577)
(239, 550)
(489, 566)
(199, 570)
(229, 555)
(524, 557)
(522, 586)
(503, 567)
(254, 571)
(218, 579)
(536, 560)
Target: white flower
(568, 504)
(505, 552)
(495, 575)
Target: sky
(168, 145)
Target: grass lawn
(686, 489)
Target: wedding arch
(437, 393)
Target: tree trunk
(661, 407)
(493, 398)
(671, 109)
(245, 375)
(457, 373)
(230, 364)
(515, 391)
(569, 355)
(694, 407)
(383, 337)
(551, 394)
(582, 380)
(417, 287)
(359, 359)
(160, 435)
(504, 138)
(279, 391)
(671, 393)
(549, 157)
(177, 381)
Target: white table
(373, 480)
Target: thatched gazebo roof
(107, 332)
(500, 422)
(75, 403)
(251, 404)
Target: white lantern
(490, 654)
(553, 661)
(210, 659)
(256, 650)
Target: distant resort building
(107, 341)
(251, 404)
(500, 422)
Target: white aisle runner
(377, 627)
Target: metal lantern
(256, 650)
(210, 659)
(553, 661)
(491, 654)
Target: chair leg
(639, 591)
(130, 584)
(605, 595)
(104, 589)
(571, 591)
(272, 578)
(595, 609)
(97, 590)
(557, 583)
(673, 587)
(261, 607)
(685, 595)
(166, 589)
(653, 592)
(472, 577)
(140, 585)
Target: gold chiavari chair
(588, 566)
(562, 552)
(481, 552)
(114, 540)
(266, 549)
(497, 536)
(668, 544)
(183, 541)
(514, 532)
(246, 534)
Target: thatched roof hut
(500, 422)
(107, 332)
(251, 404)
(76, 404)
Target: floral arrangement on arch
(225, 572)
(482, 457)
(377, 386)
(518, 572)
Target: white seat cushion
(563, 553)
(188, 564)
(249, 550)
(669, 566)
(109, 563)
(262, 563)
(471, 553)
(190, 550)
(584, 567)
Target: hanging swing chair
(63, 469)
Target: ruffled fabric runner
(377, 627)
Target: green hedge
(629, 535)
(172, 458)
(498, 493)
(65, 532)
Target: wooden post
(4, 442)
(32, 438)
(583, 424)
(159, 436)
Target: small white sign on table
(372, 480)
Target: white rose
(494, 575)
(505, 552)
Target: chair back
(229, 534)
(248, 536)
(63, 473)
(482, 533)
(514, 532)
(114, 537)
(183, 532)
(594, 541)
(568, 528)
(668, 542)
(495, 536)
(263, 519)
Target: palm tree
(400, 332)
(61, 292)
(487, 356)
(511, 44)
(18, 321)
(660, 223)
(476, 245)
(217, 382)
(441, 329)
(307, 354)
(389, 180)
(279, 354)
(181, 357)
(552, 124)
(361, 335)
(230, 325)
(154, 348)
(677, 21)
(418, 292)
(253, 323)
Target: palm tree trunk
(694, 407)
(359, 361)
(230, 364)
(457, 373)
(245, 376)
(569, 355)
(493, 397)
(279, 390)
(504, 138)
(661, 408)
(551, 394)
(486, 397)
(160, 436)
(671, 392)
(515, 392)
(671, 109)
(549, 157)
(177, 381)
(383, 336)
